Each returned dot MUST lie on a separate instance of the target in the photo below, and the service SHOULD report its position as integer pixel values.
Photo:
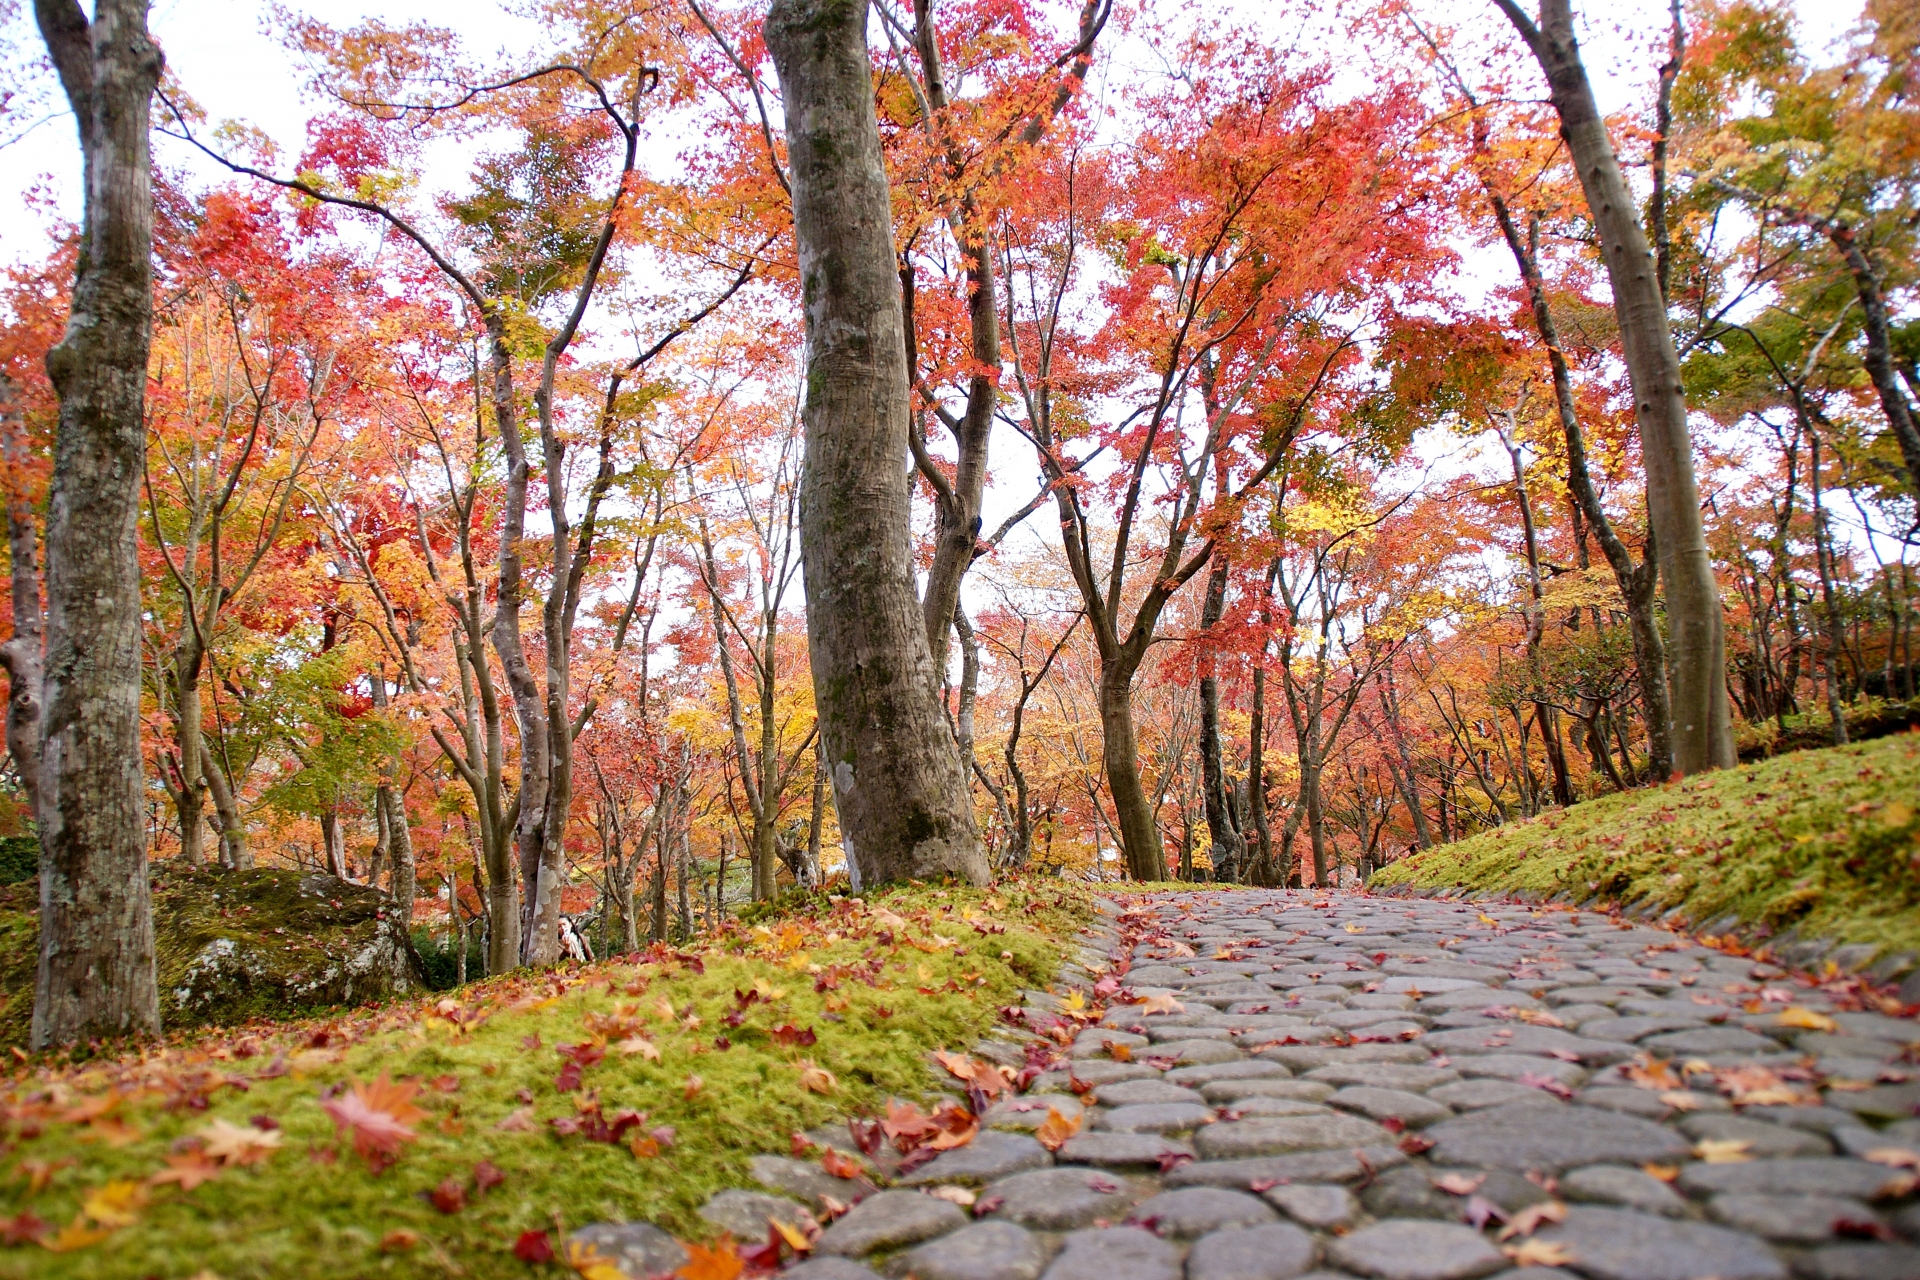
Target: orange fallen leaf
(692, 1087)
(1894, 1157)
(1727, 1151)
(75, 1235)
(1161, 1003)
(816, 1079)
(721, 1262)
(1539, 1253)
(1460, 1184)
(1117, 1051)
(238, 1144)
(1056, 1129)
(1529, 1219)
(1796, 1016)
(640, 1045)
(379, 1116)
(841, 1165)
(1664, 1172)
(399, 1240)
(187, 1170)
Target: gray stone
(1645, 1102)
(1472, 1095)
(1095, 1041)
(1800, 1219)
(1275, 1251)
(886, 1220)
(1886, 1102)
(1266, 1136)
(1395, 1104)
(1384, 1075)
(1115, 1253)
(1794, 1176)
(1763, 1140)
(1635, 1028)
(1094, 1071)
(1512, 1066)
(1314, 1204)
(1157, 1117)
(1410, 1192)
(1444, 969)
(984, 1251)
(1552, 1139)
(1305, 1166)
(746, 1213)
(1056, 1199)
(1477, 998)
(1272, 1107)
(1195, 1052)
(1123, 1150)
(1310, 1057)
(805, 1181)
(822, 1269)
(1531, 1040)
(1194, 1211)
(1708, 1040)
(1208, 1073)
(1617, 1184)
(1170, 1035)
(1619, 1244)
(637, 1248)
(1401, 1249)
(1130, 1093)
(1227, 1092)
(1433, 986)
(1861, 1262)
(990, 1155)
(1029, 1111)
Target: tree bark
(96, 974)
(1223, 826)
(1132, 809)
(24, 653)
(897, 782)
(1878, 357)
(1702, 728)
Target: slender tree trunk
(1543, 710)
(1823, 559)
(1133, 811)
(235, 854)
(1223, 825)
(1878, 357)
(1702, 728)
(897, 782)
(816, 815)
(1403, 775)
(23, 654)
(95, 975)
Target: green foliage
(1824, 841)
(19, 859)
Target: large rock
(1402, 1249)
(1619, 1244)
(1552, 1139)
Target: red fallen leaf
(1565, 1055)
(446, 1084)
(449, 1196)
(1413, 1144)
(917, 1157)
(570, 1078)
(841, 1165)
(486, 1177)
(1394, 1124)
(1171, 1160)
(1861, 1229)
(1547, 1083)
(265, 1124)
(881, 1011)
(23, 1228)
(762, 1257)
(530, 1042)
(1480, 1211)
(866, 1135)
(800, 1143)
(1260, 1186)
(793, 1037)
(1078, 1085)
(534, 1247)
(986, 1205)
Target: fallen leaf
(534, 1247)
(449, 1197)
(1539, 1253)
(40, 1172)
(187, 1170)
(1893, 1157)
(25, 1227)
(1056, 1129)
(1664, 1172)
(1796, 1016)
(1681, 1099)
(692, 1087)
(1528, 1220)
(117, 1204)
(1727, 1151)
(640, 1045)
(588, 1261)
(841, 1165)
(232, 1144)
(1117, 1051)
(816, 1079)
(399, 1240)
(721, 1262)
(956, 1195)
(1161, 1002)
(1459, 1184)
(75, 1235)
(379, 1117)
(519, 1120)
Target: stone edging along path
(1284, 1085)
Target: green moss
(1820, 841)
(316, 1210)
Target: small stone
(1028, 1112)
(886, 1220)
(746, 1213)
(1400, 1249)
(1275, 1251)
(1617, 1184)
(1473, 1095)
(1264, 1136)
(1707, 1040)
(1130, 1093)
(990, 1155)
(1793, 1176)
(1208, 1073)
(984, 1251)
(1195, 1211)
(1886, 1102)
(1619, 1244)
(1306, 1057)
(1275, 1107)
(1122, 1150)
(637, 1248)
(1056, 1199)
(1196, 1052)
(1157, 1117)
(1512, 1066)
(822, 1269)
(1646, 1102)
(804, 1180)
(1410, 1192)
(1802, 1219)
(1232, 1091)
(1861, 1262)
(1314, 1204)
(1115, 1253)
(1528, 1039)
(1391, 1104)
(1763, 1140)
(1304, 1166)
(1553, 1139)
(1384, 1075)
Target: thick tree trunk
(1132, 809)
(24, 652)
(898, 787)
(1702, 729)
(96, 975)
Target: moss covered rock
(235, 945)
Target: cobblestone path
(1408, 1089)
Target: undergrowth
(1819, 841)
(877, 984)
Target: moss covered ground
(1825, 842)
(726, 1048)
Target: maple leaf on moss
(379, 1116)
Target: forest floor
(1819, 843)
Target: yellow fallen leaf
(767, 990)
(1796, 1016)
(1075, 1002)
(640, 1045)
(1539, 1253)
(1724, 1151)
(1161, 1003)
(75, 1235)
(591, 1263)
(1894, 1157)
(796, 1239)
(1354, 928)
(1529, 1219)
(955, 1195)
(115, 1205)
(1056, 1129)
(1681, 1100)
(817, 1079)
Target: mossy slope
(1823, 842)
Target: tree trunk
(1543, 710)
(23, 654)
(1823, 559)
(95, 975)
(1702, 729)
(234, 852)
(1878, 357)
(1223, 825)
(898, 787)
(1133, 811)
(1403, 774)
